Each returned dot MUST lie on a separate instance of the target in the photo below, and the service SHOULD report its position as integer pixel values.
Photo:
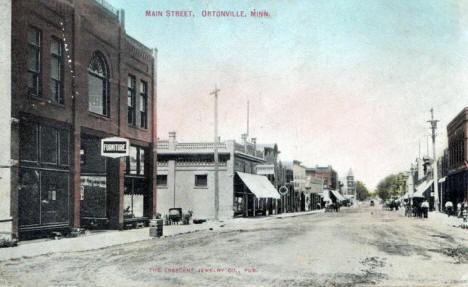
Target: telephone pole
(216, 140)
(434, 169)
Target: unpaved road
(356, 247)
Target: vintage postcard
(233, 143)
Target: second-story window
(143, 104)
(34, 62)
(201, 180)
(131, 100)
(98, 86)
(56, 71)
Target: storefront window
(48, 145)
(28, 140)
(93, 200)
(54, 197)
(136, 161)
(92, 161)
(134, 194)
(64, 141)
(29, 197)
(133, 160)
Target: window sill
(98, 116)
(46, 101)
(137, 128)
(200, 187)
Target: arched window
(98, 86)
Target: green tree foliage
(362, 193)
(390, 186)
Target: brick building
(456, 182)
(77, 78)
(327, 173)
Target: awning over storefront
(422, 188)
(338, 196)
(259, 185)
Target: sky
(332, 82)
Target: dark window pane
(201, 180)
(28, 141)
(29, 201)
(34, 37)
(93, 203)
(55, 68)
(93, 161)
(143, 108)
(48, 145)
(98, 67)
(33, 59)
(56, 47)
(161, 179)
(131, 99)
(56, 92)
(64, 144)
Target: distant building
(326, 173)
(350, 183)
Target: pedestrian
(465, 210)
(424, 208)
(449, 208)
(459, 210)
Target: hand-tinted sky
(346, 83)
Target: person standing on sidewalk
(449, 208)
(465, 210)
(459, 210)
(425, 208)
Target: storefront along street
(357, 246)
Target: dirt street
(355, 247)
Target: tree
(390, 186)
(362, 193)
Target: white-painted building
(186, 179)
(5, 122)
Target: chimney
(172, 140)
(121, 15)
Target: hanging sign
(283, 190)
(115, 147)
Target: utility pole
(434, 169)
(216, 140)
